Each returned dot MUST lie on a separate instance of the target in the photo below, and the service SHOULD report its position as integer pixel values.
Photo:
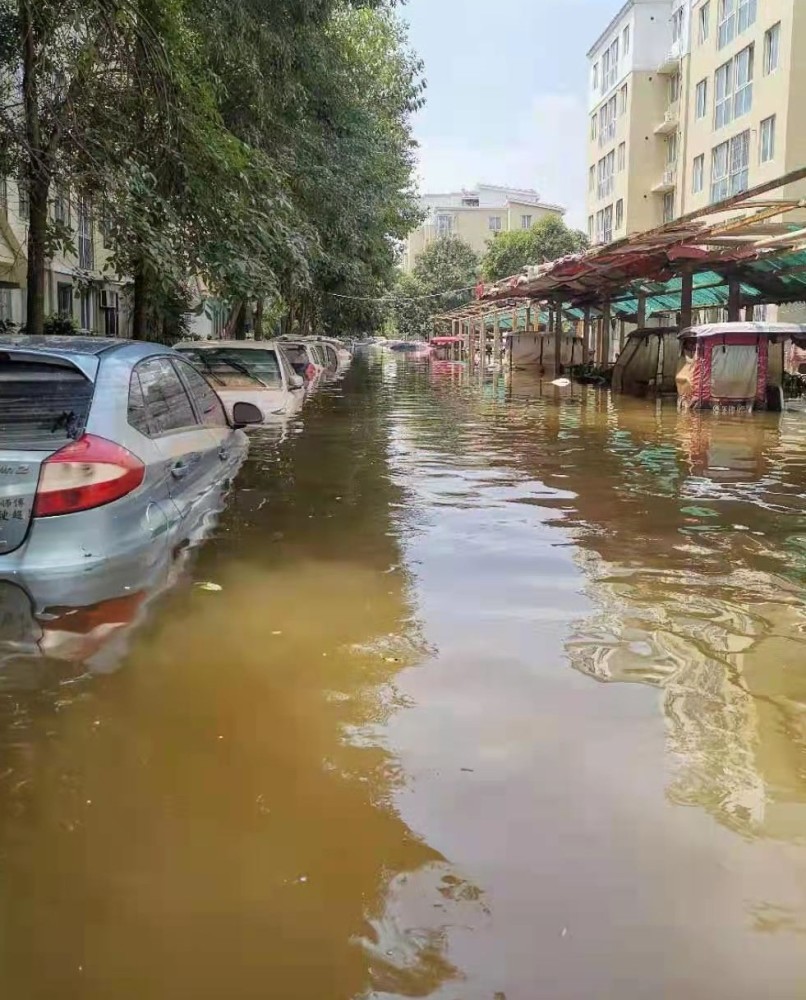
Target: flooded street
(480, 690)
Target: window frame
(704, 23)
(771, 33)
(183, 366)
(701, 105)
(526, 221)
(698, 174)
(499, 227)
(155, 433)
(771, 122)
(621, 157)
(619, 219)
(743, 91)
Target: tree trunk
(36, 175)
(139, 303)
(240, 323)
(37, 231)
(259, 319)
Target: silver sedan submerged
(114, 455)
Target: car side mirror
(246, 415)
(296, 381)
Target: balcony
(671, 119)
(669, 180)
(671, 61)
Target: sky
(506, 94)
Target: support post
(483, 343)
(734, 299)
(529, 317)
(469, 343)
(641, 318)
(686, 299)
(496, 340)
(558, 331)
(586, 335)
(606, 334)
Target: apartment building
(78, 285)
(627, 100)
(745, 80)
(475, 216)
(692, 101)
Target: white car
(250, 371)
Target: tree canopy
(548, 239)
(444, 278)
(263, 147)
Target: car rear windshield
(43, 405)
(231, 366)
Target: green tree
(548, 239)
(444, 278)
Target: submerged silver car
(113, 455)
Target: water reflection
(358, 764)
(215, 817)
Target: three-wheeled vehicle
(735, 365)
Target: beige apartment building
(78, 285)
(692, 101)
(475, 216)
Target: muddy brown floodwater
(502, 695)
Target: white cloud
(546, 151)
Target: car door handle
(180, 469)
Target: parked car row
(115, 458)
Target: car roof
(206, 345)
(92, 346)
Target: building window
(595, 76)
(607, 166)
(470, 202)
(730, 167)
(625, 40)
(772, 48)
(746, 14)
(704, 22)
(743, 100)
(526, 222)
(619, 213)
(61, 207)
(735, 16)
(495, 223)
(622, 156)
(674, 89)
(701, 99)
(590, 228)
(86, 256)
(444, 225)
(723, 95)
(668, 206)
(592, 179)
(623, 100)
(767, 139)
(23, 201)
(594, 121)
(698, 174)
(64, 300)
(672, 144)
(677, 25)
(607, 225)
(3, 197)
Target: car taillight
(86, 473)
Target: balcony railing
(671, 61)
